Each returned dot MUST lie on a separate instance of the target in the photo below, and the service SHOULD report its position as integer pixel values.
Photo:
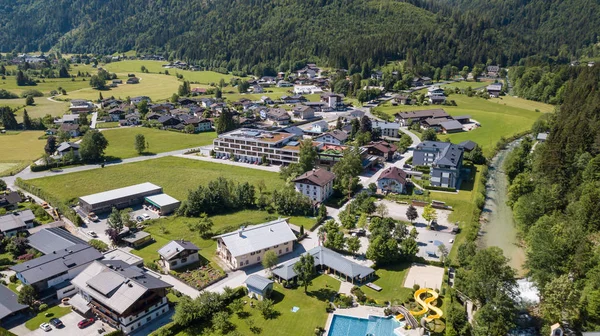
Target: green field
(311, 314)
(465, 84)
(121, 141)
(176, 175)
(17, 147)
(497, 118)
(200, 77)
(41, 107)
(391, 280)
(47, 84)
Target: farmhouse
(407, 118)
(177, 254)
(126, 297)
(315, 184)
(494, 90)
(393, 180)
(247, 245)
(330, 262)
(118, 198)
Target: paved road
(94, 120)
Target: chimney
(241, 232)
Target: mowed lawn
(21, 146)
(48, 84)
(497, 119)
(56, 311)
(199, 77)
(391, 280)
(303, 322)
(176, 175)
(41, 107)
(121, 141)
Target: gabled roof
(319, 177)
(9, 303)
(326, 257)
(393, 173)
(451, 125)
(258, 282)
(337, 134)
(385, 124)
(257, 237)
(116, 286)
(10, 198)
(468, 145)
(57, 262)
(53, 239)
(16, 220)
(436, 113)
(67, 146)
(448, 154)
(174, 247)
(383, 146)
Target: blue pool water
(354, 326)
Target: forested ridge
(555, 192)
(338, 33)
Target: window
(287, 249)
(280, 251)
(275, 246)
(139, 324)
(149, 318)
(183, 260)
(258, 258)
(174, 262)
(252, 253)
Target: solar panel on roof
(252, 133)
(293, 143)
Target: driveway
(70, 321)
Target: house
(421, 81)
(10, 200)
(52, 239)
(445, 160)
(315, 184)
(137, 239)
(115, 114)
(283, 83)
(247, 246)
(123, 296)
(16, 222)
(204, 125)
(177, 254)
(468, 145)
(133, 80)
(493, 70)
(542, 137)
(377, 75)
(9, 304)
(68, 119)
(320, 126)
(259, 287)
(153, 116)
(382, 149)
(392, 180)
(257, 89)
(131, 119)
(53, 272)
(334, 137)
(293, 99)
(307, 89)
(333, 101)
(329, 262)
(402, 99)
(436, 95)
(168, 121)
(66, 148)
(198, 91)
(451, 126)
(494, 90)
(137, 100)
(266, 100)
(278, 116)
(303, 112)
(388, 129)
(81, 106)
(435, 91)
(435, 123)
(408, 118)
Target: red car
(85, 322)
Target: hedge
(430, 187)
(63, 208)
(423, 169)
(37, 168)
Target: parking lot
(99, 227)
(428, 240)
(70, 321)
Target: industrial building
(118, 198)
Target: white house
(392, 179)
(247, 246)
(177, 254)
(334, 137)
(388, 129)
(316, 184)
(320, 126)
(307, 89)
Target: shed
(165, 203)
(137, 239)
(259, 286)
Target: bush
(423, 169)
(13, 278)
(98, 245)
(416, 287)
(429, 187)
(33, 93)
(43, 307)
(7, 94)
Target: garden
(199, 276)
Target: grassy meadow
(17, 148)
(121, 141)
(199, 77)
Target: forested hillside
(555, 194)
(275, 33)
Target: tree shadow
(323, 294)
(277, 296)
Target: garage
(162, 203)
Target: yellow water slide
(427, 306)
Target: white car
(45, 327)
(145, 216)
(92, 234)
(451, 241)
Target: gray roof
(162, 200)
(55, 263)
(53, 239)
(448, 154)
(468, 145)
(385, 124)
(9, 303)
(293, 130)
(174, 247)
(437, 113)
(120, 193)
(67, 146)
(337, 134)
(258, 237)
(122, 256)
(258, 282)
(134, 237)
(326, 257)
(451, 125)
(16, 220)
(542, 136)
(116, 287)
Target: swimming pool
(355, 326)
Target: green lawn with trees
(188, 175)
(391, 279)
(121, 142)
(155, 67)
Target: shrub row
(423, 169)
(63, 208)
(430, 187)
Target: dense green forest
(338, 33)
(555, 192)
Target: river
(499, 228)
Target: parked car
(92, 234)
(146, 216)
(45, 205)
(56, 323)
(92, 216)
(139, 219)
(85, 323)
(45, 327)
(456, 230)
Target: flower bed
(200, 277)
